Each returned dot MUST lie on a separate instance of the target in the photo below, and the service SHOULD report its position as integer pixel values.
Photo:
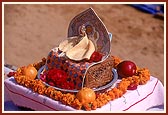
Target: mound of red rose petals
(58, 78)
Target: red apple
(126, 69)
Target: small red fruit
(132, 87)
(95, 57)
(10, 74)
(126, 69)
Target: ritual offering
(83, 59)
(80, 73)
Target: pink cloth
(145, 97)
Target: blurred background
(31, 31)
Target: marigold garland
(141, 77)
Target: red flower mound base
(58, 78)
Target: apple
(126, 69)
